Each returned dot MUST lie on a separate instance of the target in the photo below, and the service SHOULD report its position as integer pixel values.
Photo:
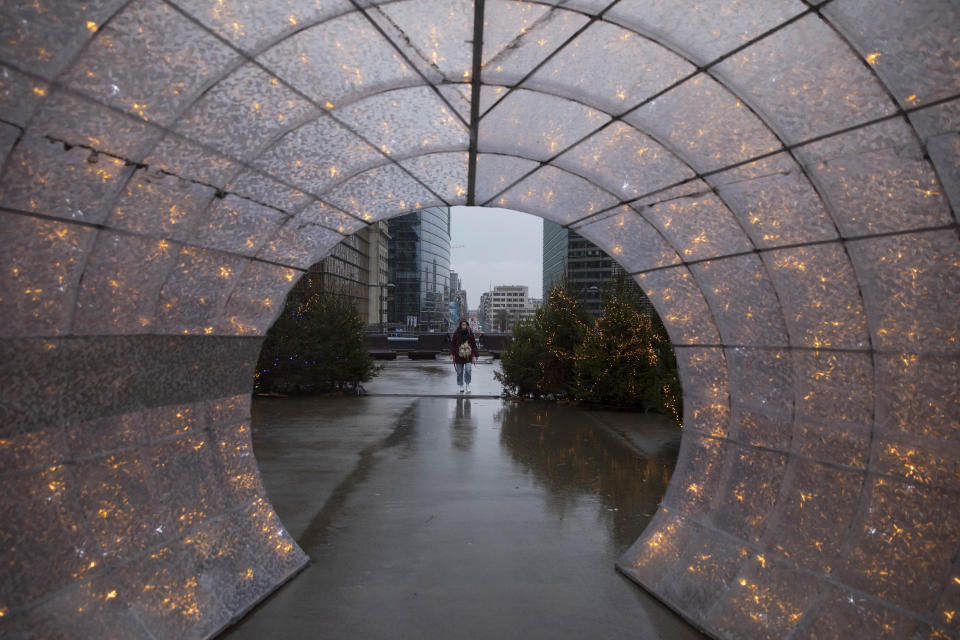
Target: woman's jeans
(463, 372)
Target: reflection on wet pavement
(460, 517)
(574, 461)
(433, 378)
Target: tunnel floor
(459, 517)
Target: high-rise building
(555, 241)
(483, 311)
(355, 268)
(419, 267)
(511, 301)
(458, 296)
(587, 268)
(378, 290)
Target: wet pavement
(459, 517)
(433, 378)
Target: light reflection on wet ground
(460, 517)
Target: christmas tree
(626, 360)
(563, 323)
(316, 345)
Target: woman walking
(463, 352)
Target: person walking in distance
(463, 352)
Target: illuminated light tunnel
(781, 177)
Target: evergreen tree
(666, 396)
(626, 359)
(563, 323)
(615, 363)
(315, 345)
(520, 363)
(539, 361)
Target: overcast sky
(499, 247)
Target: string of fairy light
(619, 331)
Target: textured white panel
(44, 35)
(624, 162)
(699, 226)
(912, 45)
(519, 35)
(629, 239)
(911, 286)
(150, 61)
(806, 81)
(704, 124)
(243, 112)
(366, 63)
(319, 154)
(704, 29)
(497, 172)
(556, 195)
(820, 296)
(877, 180)
(406, 122)
(38, 282)
(434, 34)
(254, 25)
(381, 193)
(444, 173)
(536, 125)
(775, 202)
(681, 305)
(636, 68)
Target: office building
(355, 268)
(512, 299)
(419, 269)
(588, 269)
(458, 296)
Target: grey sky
(500, 246)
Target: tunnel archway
(781, 178)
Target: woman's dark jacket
(455, 346)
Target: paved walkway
(438, 517)
(433, 378)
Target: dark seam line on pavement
(317, 531)
(625, 439)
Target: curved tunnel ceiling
(781, 177)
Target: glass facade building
(356, 268)
(555, 240)
(419, 267)
(588, 268)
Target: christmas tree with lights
(563, 323)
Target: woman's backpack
(465, 351)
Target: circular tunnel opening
(450, 504)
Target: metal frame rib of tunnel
(782, 177)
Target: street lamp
(380, 286)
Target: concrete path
(433, 378)
(435, 517)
